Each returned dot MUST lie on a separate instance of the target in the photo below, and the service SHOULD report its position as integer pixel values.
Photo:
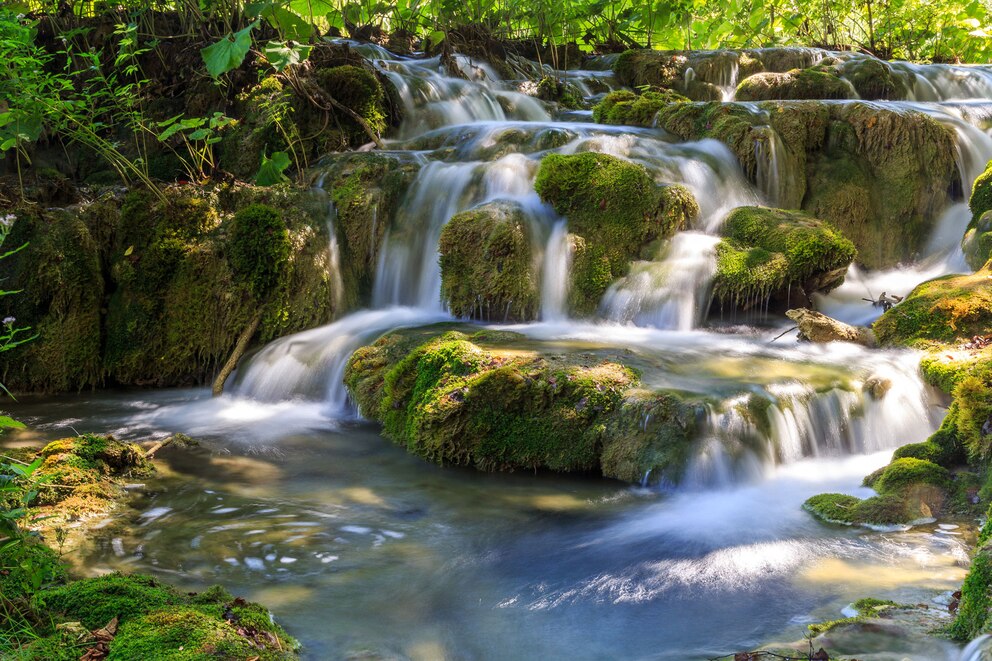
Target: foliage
(260, 248)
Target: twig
(789, 330)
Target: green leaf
(272, 169)
(129, 251)
(281, 54)
(228, 53)
(435, 38)
(7, 422)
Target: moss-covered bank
(132, 290)
(491, 401)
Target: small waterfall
(979, 649)
(334, 252)
(554, 274)
(768, 148)
(672, 293)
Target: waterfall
(554, 276)
(334, 253)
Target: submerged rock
(817, 327)
(488, 267)
(615, 212)
(782, 255)
(490, 401)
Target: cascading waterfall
(479, 140)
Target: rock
(776, 254)
(488, 265)
(616, 212)
(794, 85)
(627, 108)
(977, 241)
(817, 327)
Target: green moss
(945, 309)
(259, 248)
(833, 507)
(770, 251)
(981, 193)
(157, 621)
(926, 450)
(623, 107)
(450, 400)
(562, 92)
(905, 472)
(359, 90)
(636, 68)
(972, 618)
(870, 605)
(873, 79)
(617, 210)
(798, 84)
(488, 269)
(977, 242)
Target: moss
(635, 68)
(562, 92)
(24, 567)
(972, 618)
(623, 107)
(833, 507)
(456, 399)
(929, 451)
(945, 309)
(905, 472)
(488, 268)
(977, 242)
(259, 248)
(873, 79)
(981, 193)
(359, 90)
(798, 84)
(616, 208)
(770, 251)
(157, 621)
(871, 605)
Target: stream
(365, 551)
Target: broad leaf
(281, 54)
(272, 169)
(228, 53)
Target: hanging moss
(617, 210)
(488, 268)
(359, 90)
(768, 252)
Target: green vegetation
(977, 242)
(627, 108)
(488, 401)
(488, 269)
(797, 84)
(770, 252)
(259, 248)
(615, 211)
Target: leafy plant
(198, 135)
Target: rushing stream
(361, 548)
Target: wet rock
(817, 327)
(780, 255)
(627, 108)
(489, 269)
(794, 85)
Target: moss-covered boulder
(148, 619)
(872, 79)
(624, 107)
(977, 242)
(141, 291)
(782, 255)
(490, 400)
(881, 176)
(796, 85)
(489, 270)
(616, 211)
(946, 309)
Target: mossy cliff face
(615, 212)
(140, 292)
(770, 253)
(366, 190)
(153, 620)
(977, 242)
(880, 176)
(488, 267)
(490, 401)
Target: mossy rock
(616, 209)
(770, 253)
(495, 403)
(562, 92)
(359, 90)
(259, 249)
(975, 608)
(946, 309)
(157, 621)
(977, 242)
(366, 190)
(636, 68)
(873, 79)
(906, 472)
(488, 265)
(794, 85)
(881, 510)
(624, 107)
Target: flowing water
(361, 548)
